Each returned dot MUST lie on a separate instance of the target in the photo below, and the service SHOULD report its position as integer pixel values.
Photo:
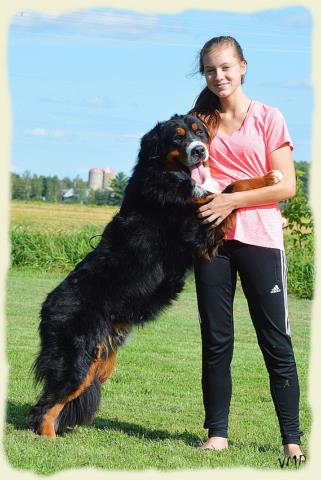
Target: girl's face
(223, 70)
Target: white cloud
(56, 100)
(99, 101)
(113, 135)
(37, 132)
(42, 132)
(303, 83)
(298, 83)
(100, 22)
(299, 19)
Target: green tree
(17, 190)
(66, 183)
(52, 190)
(304, 168)
(118, 185)
(298, 214)
(26, 184)
(36, 187)
(101, 197)
(80, 188)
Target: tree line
(52, 189)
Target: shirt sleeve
(276, 131)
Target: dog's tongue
(201, 175)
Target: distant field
(58, 217)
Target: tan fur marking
(181, 131)
(47, 427)
(201, 200)
(87, 380)
(106, 367)
(172, 154)
(171, 165)
(194, 126)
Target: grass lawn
(151, 413)
(59, 217)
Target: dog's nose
(198, 151)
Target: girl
(249, 139)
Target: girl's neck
(236, 103)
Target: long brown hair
(207, 105)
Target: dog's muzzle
(196, 152)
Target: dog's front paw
(199, 191)
(276, 175)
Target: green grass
(151, 414)
(48, 251)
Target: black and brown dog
(137, 269)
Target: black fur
(137, 269)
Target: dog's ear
(150, 145)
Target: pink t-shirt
(245, 154)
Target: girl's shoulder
(266, 112)
(264, 108)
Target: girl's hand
(217, 209)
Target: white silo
(95, 179)
(109, 174)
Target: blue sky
(86, 85)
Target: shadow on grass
(139, 431)
(16, 416)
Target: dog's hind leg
(52, 414)
(44, 416)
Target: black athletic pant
(263, 277)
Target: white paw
(277, 175)
(199, 191)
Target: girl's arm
(223, 204)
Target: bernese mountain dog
(137, 269)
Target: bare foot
(215, 443)
(293, 450)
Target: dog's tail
(81, 410)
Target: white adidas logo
(275, 289)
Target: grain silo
(109, 175)
(95, 179)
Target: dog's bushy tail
(81, 410)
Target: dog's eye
(181, 131)
(176, 137)
(199, 132)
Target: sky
(86, 85)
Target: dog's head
(175, 145)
